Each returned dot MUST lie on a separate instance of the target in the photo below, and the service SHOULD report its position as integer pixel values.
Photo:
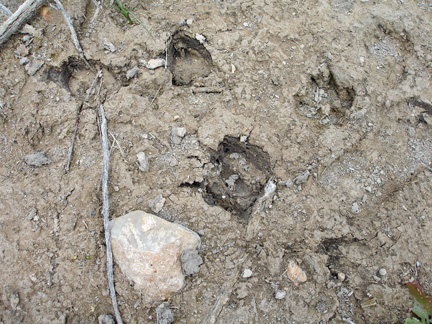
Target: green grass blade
(139, 21)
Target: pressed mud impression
(237, 175)
(325, 99)
(188, 59)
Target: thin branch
(60, 8)
(105, 211)
(16, 20)
(5, 10)
(90, 90)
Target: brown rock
(295, 273)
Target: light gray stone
(144, 164)
(24, 61)
(164, 314)
(132, 72)
(106, 319)
(177, 134)
(157, 204)
(38, 159)
(148, 250)
(191, 262)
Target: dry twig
(105, 212)
(16, 20)
(90, 90)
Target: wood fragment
(5, 10)
(75, 40)
(105, 212)
(20, 17)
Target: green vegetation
(422, 308)
(130, 16)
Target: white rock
(155, 63)
(144, 164)
(382, 272)
(189, 21)
(157, 204)
(148, 250)
(247, 273)
(28, 29)
(200, 38)
(355, 208)
(295, 273)
(280, 294)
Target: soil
(330, 98)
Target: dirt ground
(332, 98)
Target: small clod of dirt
(188, 59)
(238, 175)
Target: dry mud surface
(331, 98)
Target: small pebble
(177, 133)
(355, 208)
(200, 38)
(132, 72)
(382, 272)
(341, 276)
(189, 21)
(24, 61)
(155, 63)
(280, 294)
(247, 273)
